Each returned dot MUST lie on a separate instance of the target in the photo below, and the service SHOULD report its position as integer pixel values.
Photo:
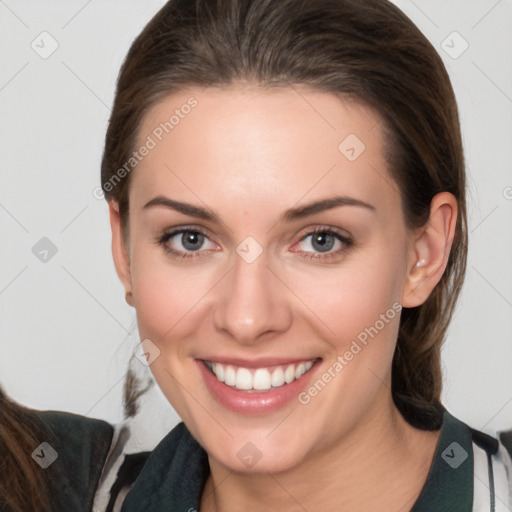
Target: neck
(381, 464)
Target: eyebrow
(288, 216)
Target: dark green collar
(172, 478)
(449, 484)
(176, 471)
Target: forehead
(255, 145)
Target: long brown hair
(23, 484)
(368, 50)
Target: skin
(248, 155)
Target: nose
(252, 302)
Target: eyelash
(307, 255)
(346, 242)
(165, 237)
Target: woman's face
(226, 268)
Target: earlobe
(430, 250)
(120, 251)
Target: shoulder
(505, 438)
(503, 461)
(470, 472)
(492, 467)
(133, 441)
(73, 450)
(170, 477)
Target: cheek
(160, 298)
(169, 297)
(157, 304)
(361, 309)
(355, 297)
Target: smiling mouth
(259, 379)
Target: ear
(430, 250)
(120, 251)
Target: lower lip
(254, 402)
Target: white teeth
(262, 378)
(277, 377)
(243, 379)
(218, 369)
(289, 374)
(230, 376)
(300, 370)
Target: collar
(176, 471)
(449, 484)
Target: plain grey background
(66, 333)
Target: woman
(286, 189)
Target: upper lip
(262, 362)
